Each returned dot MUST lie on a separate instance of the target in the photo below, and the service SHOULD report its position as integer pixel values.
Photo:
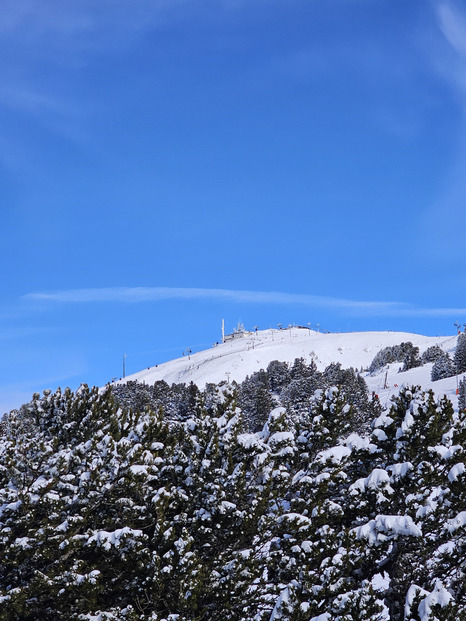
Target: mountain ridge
(244, 355)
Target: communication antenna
(223, 330)
(124, 365)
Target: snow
(22, 542)
(377, 478)
(226, 507)
(280, 437)
(138, 469)
(449, 453)
(458, 522)
(108, 539)
(236, 359)
(283, 599)
(306, 546)
(356, 443)
(249, 440)
(456, 472)
(380, 582)
(411, 595)
(380, 435)
(438, 597)
(400, 470)
(383, 525)
(294, 517)
(334, 454)
(407, 422)
(12, 506)
(431, 503)
(40, 483)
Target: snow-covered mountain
(271, 501)
(251, 351)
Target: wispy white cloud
(63, 37)
(45, 18)
(157, 294)
(453, 25)
(154, 294)
(446, 50)
(451, 60)
(47, 42)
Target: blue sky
(167, 163)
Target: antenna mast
(223, 330)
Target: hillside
(236, 359)
(292, 495)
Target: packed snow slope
(242, 356)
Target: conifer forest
(292, 495)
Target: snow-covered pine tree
(460, 354)
(255, 399)
(431, 354)
(279, 375)
(411, 357)
(462, 395)
(332, 416)
(443, 367)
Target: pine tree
(255, 399)
(462, 395)
(431, 354)
(279, 375)
(442, 367)
(411, 357)
(137, 514)
(460, 354)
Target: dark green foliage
(460, 354)
(176, 401)
(442, 367)
(405, 352)
(279, 375)
(300, 370)
(133, 513)
(431, 354)
(255, 399)
(462, 395)
(411, 358)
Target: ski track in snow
(236, 359)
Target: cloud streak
(453, 25)
(446, 49)
(451, 21)
(134, 295)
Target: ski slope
(236, 359)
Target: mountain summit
(248, 352)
